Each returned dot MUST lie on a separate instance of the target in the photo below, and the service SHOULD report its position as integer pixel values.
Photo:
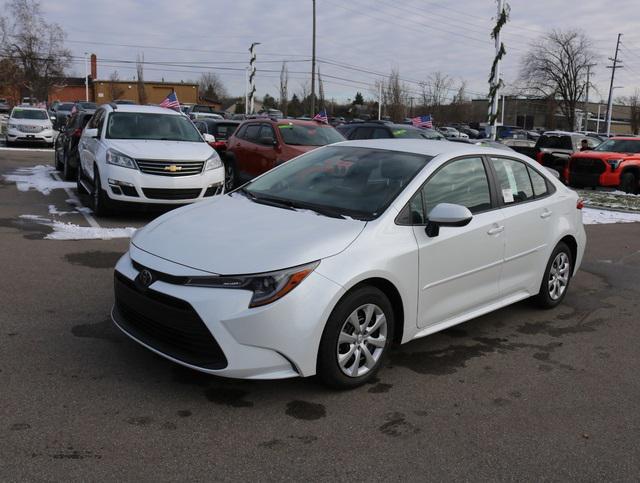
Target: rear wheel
(629, 183)
(356, 339)
(56, 156)
(67, 170)
(556, 278)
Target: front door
(460, 268)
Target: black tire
(68, 173)
(56, 156)
(229, 175)
(79, 185)
(100, 202)
(629, 183)
(328, 366)
(544, 299)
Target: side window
(202, 127)
(592, 142)
(514, 184)
(100, 121)
(252, 133)
(241, 132)
(361, 133)
(462, 182)
(266, 132)
(540, 187)
(380, 133)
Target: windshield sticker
(507, 195)
(285, 126)
(399, 132)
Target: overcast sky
(417, 37)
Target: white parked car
(29, 125)
(146, 154)
(318, 265)
(452, 132)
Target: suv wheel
(229, 175)
(629, 183)
(557, 276)
(356, 339)
(100, 202)
(56, 157)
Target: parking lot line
(90, 219)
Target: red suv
(260, 144)
(614, 163)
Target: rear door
(528, 219)
(244, 150)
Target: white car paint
(93, 152)
(29, 130)
(497, 259)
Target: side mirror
(53, 118)
(91, 133)
(446, 214)
(268, 141)
(209, 138)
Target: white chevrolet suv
(145, 154)
(29, 125)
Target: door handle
(495, 230)
(546, 214)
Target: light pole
(252, 76)
(86, 77)
(313, 64)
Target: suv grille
(586, 171)
(23, 128)
(170, 168)
(167, 324)
(171, 194)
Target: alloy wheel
(362, 340)
(559, 276)
(229, 177)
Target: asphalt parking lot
(518, 394)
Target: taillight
(77, 132)
(580, 204)
(539, 156)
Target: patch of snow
(69, 231)
(54, 211)
(594, 216)
(38, 178)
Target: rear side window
(252, 133)
(380, 133)
(540, 187)
(361, 133)
(555, 142)
(224, 131)
(514, 184)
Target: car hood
(169, 150)
(605, 155)
(232, 235)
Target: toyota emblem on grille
(173, 168)
(145, 278)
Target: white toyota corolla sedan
(319, 265)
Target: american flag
(321, 117)
(171, 101)
(423, 121)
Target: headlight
(118, 159)
(614, 163)
(266, 287)
(213, 162)
(13, 126)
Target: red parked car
(614, 163)
(262, 143)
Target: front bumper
(132, 186)
(275, 341)
(17, 136)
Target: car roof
(625, 138)
(283, 122)
(426, 147)
(142, 109)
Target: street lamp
(86, 77)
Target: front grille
(587, 166)
(171, 194)
(30, 129)
(167, 324)
(213, 190)
(170, 168)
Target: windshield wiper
(321, 210)
(265, 200)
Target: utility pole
(86, 77)
(495, 81)
(252, 77)
(502, 110)
(586, 101)
(380, 101)
(613, 74)
(313, 64)
(246, 91)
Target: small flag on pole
(321, 117)
(171, 102)
(423, 121)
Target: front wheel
(56, 154)
(557, 276)
(629, 183)
(100, 203)
(229, 175)
(67, 170)
(356, 339)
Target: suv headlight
(266, 287)
(118, 159)
(12, 126)
(213, 162)
(614, 163)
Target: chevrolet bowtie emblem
(173, 168)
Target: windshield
(620, 146)
(431, 134)
(351, 181)
(87, 105)
(309, 135)
(67, 106)
(38, 114)
(151, 126)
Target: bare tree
(305, 97)
(396, 96)
(34, 47)
(436, 89)
(212, 87)
(115, 91)
(633, 101)
(142, 93)
(556, 67)
(284, 88)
